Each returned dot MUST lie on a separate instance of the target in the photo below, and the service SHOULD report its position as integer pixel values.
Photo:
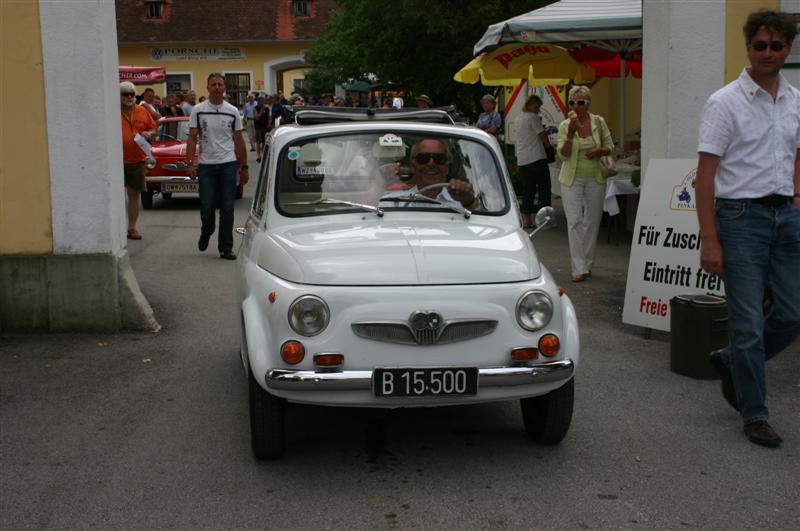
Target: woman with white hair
(582, 139)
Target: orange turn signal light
(271, 297)
(328, 360)
(293, 352)
(561, 291)
(524, 354)
(549, 345)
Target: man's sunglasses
(577, 102)
(438, 158)
(131, 94)
(775, 46)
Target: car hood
(170, 150)
(386, 253)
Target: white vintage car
(383, 264)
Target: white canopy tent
(614, 25)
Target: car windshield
(173, 130)
(390, 170)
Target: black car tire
(147, 199)
(547, 417)
(267, 422)
(166, 195)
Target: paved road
(143, 431)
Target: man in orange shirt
(135, 120)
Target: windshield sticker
(390, 140)
(314, 170)
(294, 153)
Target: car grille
(401, 332)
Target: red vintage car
(168, 175)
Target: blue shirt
(249, 108)
(488, 119)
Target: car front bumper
(295, 380)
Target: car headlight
(308, 315)
(534, 310)
(151, 163)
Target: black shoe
(252, 149)
(228, 255)
(202, 243)
(728, 391)
(760, 432)
(258, 159)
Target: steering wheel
(433, 186)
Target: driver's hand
(461, 191)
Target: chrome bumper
(362, 380)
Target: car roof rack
(329, 115)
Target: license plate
(179, 187)
(428, 381)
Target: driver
(430, 165)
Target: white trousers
(583, 205)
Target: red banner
(142, 75)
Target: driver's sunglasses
(580, 103)
(131, 94)
(775, 46)
(438, 158)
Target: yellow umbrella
(540, 64)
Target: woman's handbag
(607, 166)
(550, 151)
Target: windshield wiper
(419, 198)
(329, 201)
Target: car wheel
(147, 199)
(240, 191)
(547, 417)
(166, 195)
(267, 425)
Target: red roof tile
(220, 21)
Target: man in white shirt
(530, 139)
(218, 126)
(748, 208)
(249, 114)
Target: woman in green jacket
(582, 139)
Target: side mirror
(545, 218)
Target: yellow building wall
(605, 102)
(25, 208)
(256, 55)
(288, 79)
(736, 12)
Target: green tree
(418, 44)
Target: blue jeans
(761, 258)
(217, 184)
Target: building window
(302, 8)
(237, 86)
(155, 9)
(299, 85)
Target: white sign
(665, 252)
(197, 53)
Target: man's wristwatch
(243, 167)
(796, 196)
